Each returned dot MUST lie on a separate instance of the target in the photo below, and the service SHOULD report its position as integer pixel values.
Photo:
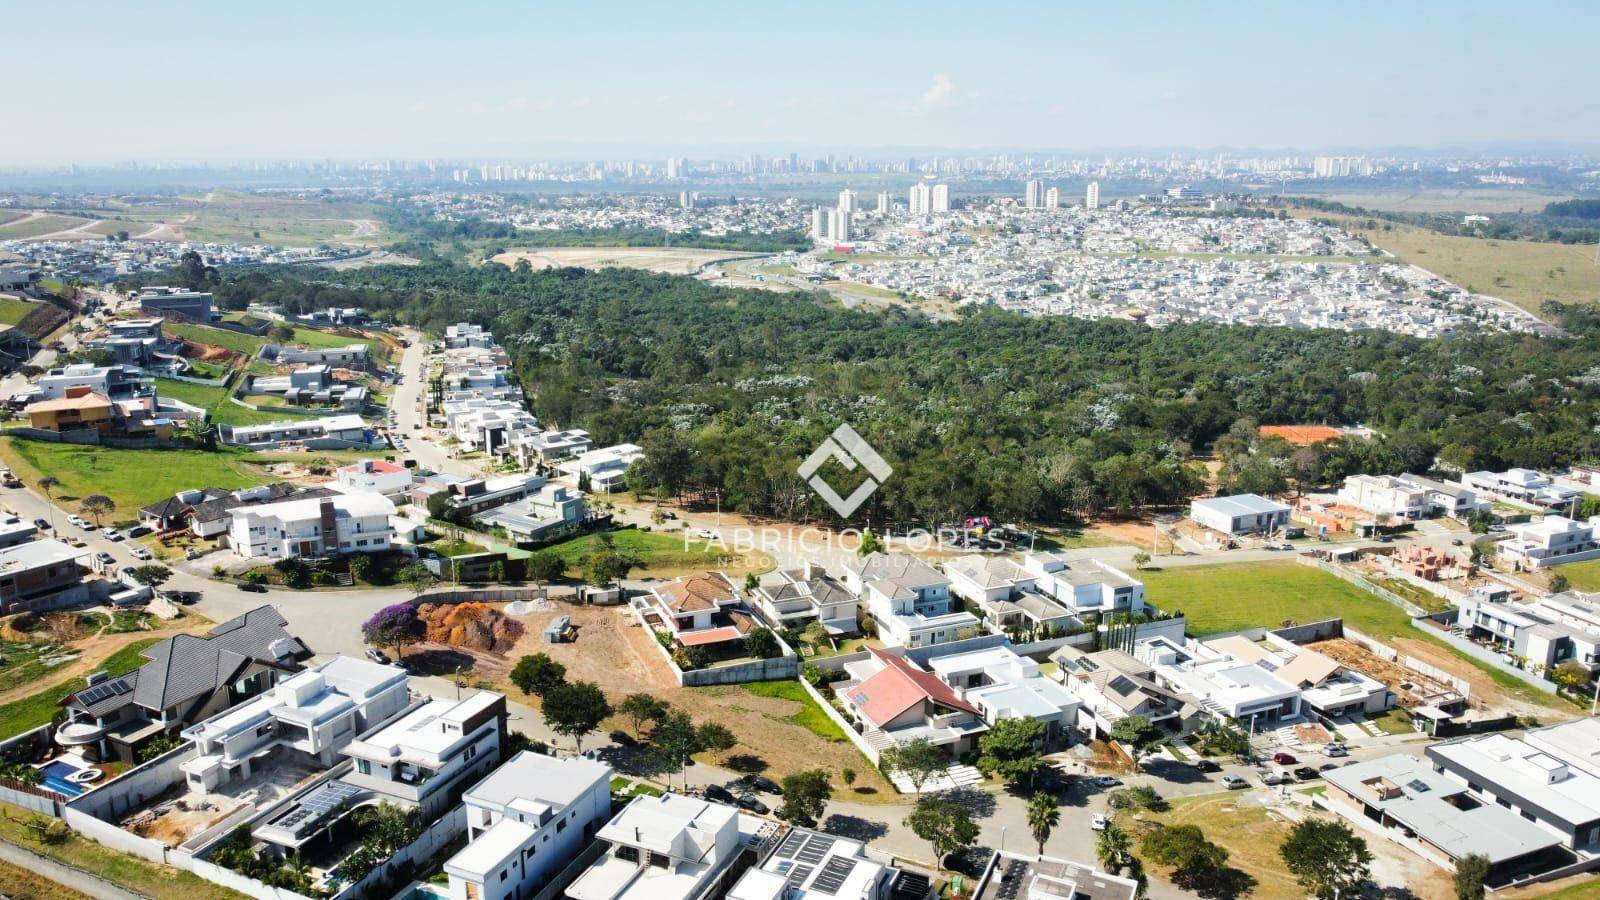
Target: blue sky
(95, 81)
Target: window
(503, 874)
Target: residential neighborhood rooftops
(1517, 767)
(897, 687)
(530, 776)
(691, 593)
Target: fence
(85, 436)
(1337, 571)
(27, 747)
(777, 668)
(1373, 645)
(844, 724)
(1488, 657)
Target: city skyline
(487, 80)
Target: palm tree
(1043, 817)
(1112, 848)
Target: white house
(1326, 686)
(374, 476)
(908, 599)
(1520, 486)
(347, 430)
(1386, 496)
(320, 526)
(1550, 541)
(314, 713)
(434, 746)
(669, 847)
(527, 821)
(1240, 514)
(1224, 684)
(1004, 685)
(1085, 585)
(812, 865)
(604, 468)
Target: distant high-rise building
(1033, 196)
(1091, 196)
(819, 224)
(1052, 198)
(686, 199)
(847, 201)
(1341, 167)
(920, 199)
(884, 203)
(677, 168)
(838, 225)
(940, 198)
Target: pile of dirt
(476, 626)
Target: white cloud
(942, 93)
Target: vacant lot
(14, 309)
(779, 728)
(40, 708)
(131, 478)
(672, 260)
(45, 224)
(1581, 576)
(660, 555)
(238, 342)
(215, 400)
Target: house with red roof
(703, 611)
(892, 702)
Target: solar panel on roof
(1418, 785)
(792, 844)
(799, 874)
(815, 849)
(834, 874)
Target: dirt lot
(1485, 695)
(671, 260)
(620, 656)
(93, 649)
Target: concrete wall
(114, 799)
(1341, 572)
(1312, 632)
(838, 719)
(443, 830)
(27, 747)
(1488, 657)
(775, 669)
(243, 884)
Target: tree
(641, 708)
(848, 776)
(1139, 733)
(944, 824)
(1140, 559)
(1572, 675)
(47, 484)
(917, 759)
(1044, 814)
(1326, 857)
(751, 582)
(1481, 521)
(674, 740)
(869, 543)
(439, 507)
(1559, 583)
(152, 575)
(715, 737)
(1221, 739)
(1471, 870)
(1113, 848)
(97, 505)
(281, 333)
(538, 674)
(418, 578)
(545, 567)
(394, 626)
(361, 568)
(1010, 749)
(575, 710)
(1198, 865)
(805, 794)
(761, 643)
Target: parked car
(719, 793)
(1284, 758)
(1234, 782)
(752, 803)
(252, 587)
(104, 558)
(138, 531)
(42, 524)
(140, 551)
(86, 526)
(75, 520)
(378, 656)
(1274, 777)
(1107, 781)
(1335, 749)
(1327, 767)
(1099, 821)
(1206, 765)
(1306, 773)
(111, 534)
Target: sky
(95, 81)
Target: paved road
(77, 879)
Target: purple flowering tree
(394, 626)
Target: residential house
(892, 702)
(1446, 498)
(1542, 782)
(552, 511)
(702, 611)
(670, 847)
(793, 598)
(311, 385)
(1326, 687)
(1010, 875)
(1437, 817)
(1007, 595)
(814, 865)
(604, 469)
(1112, 685)
(1551, 541)
(1524, 486)
(1385, 497)
(1086, 586)
(1227, 686)
(525, 822)
(170, 301)
(351, 356)
(315, 527)
(469, 497)
(207, 512)
(107, 381)
(14, 531)
(331, 432)
(374, 476)
(311, 715)
(1240, 514)
(1542, 634)
(186, 679)
(136, 342)
(35, 574)
(80, 409)
(467, 335)
(907, 599)
(1004, 685)
(549, 447)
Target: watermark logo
(850, 449)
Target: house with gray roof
(186, 678)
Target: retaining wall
(844, 724)
(1488, 657)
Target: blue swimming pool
(55, 778)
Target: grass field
(1484, 199)
(1523, 272)
(131, 478)
(138, 875)
(13, 310)
(22, 883)
(214, 399)
(34, 227)
(236, 341)
(810, 717)
(1248, 833)
(39, 709)
(656, 551)
(1582, 576)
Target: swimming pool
(55, 778)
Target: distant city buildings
(1091, 196)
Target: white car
(1107, 781)
(1098, 821)
(1234, 782)
(77, 521)
(86, 526)
(140, 551)
(111, 534)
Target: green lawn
(131, 872)
(24, 663)
(47, 224)
(655, 550)
(1234, 597)
(810, 716)
(238, 342)
(39, 709)
(215, 400)
(131, 478)
(13, 310)
(1582, 576)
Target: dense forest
(426, 235)
(1024, 418)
